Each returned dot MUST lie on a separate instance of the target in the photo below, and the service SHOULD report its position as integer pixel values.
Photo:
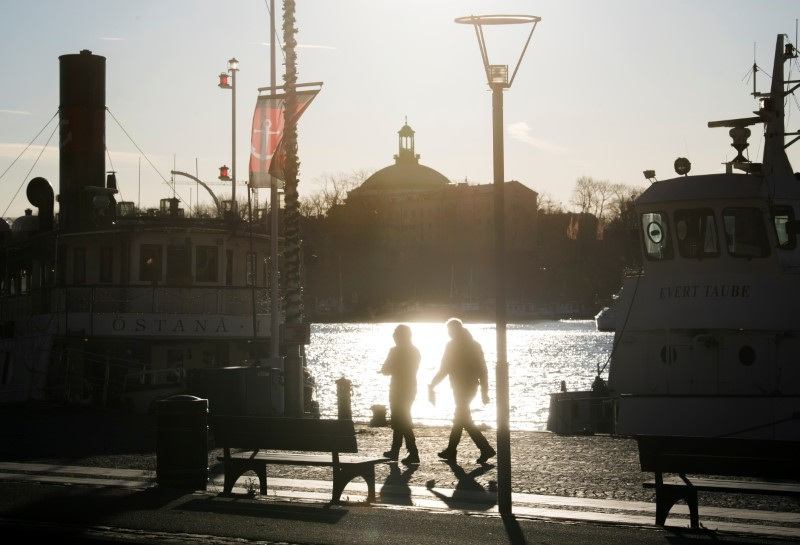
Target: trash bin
(182, 442)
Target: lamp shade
(223, 173)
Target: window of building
(229, 267)
(782, 218)
(150, 262)
(206, 263)
(745, 232)
(106, 273)
(655, 236)
(696, 233)
(79, 265)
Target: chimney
(82, 136)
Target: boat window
(150, 262)
(206, 263)
(745, 233)
(782, 218)
(695, 233)
(251, 268)
(229, 267)
(79, 265)
(24, 281)
(5, 368)
(178, 264)
(106, 264)
(655, 235)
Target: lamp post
(233, 67)
(497, 77)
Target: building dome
(406, 174)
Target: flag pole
(274, 297)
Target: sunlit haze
(606, 89)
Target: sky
(606, 89)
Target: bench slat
(278, 433)
(303, 459)
(739, 487)
(726, 456)
(257, 434)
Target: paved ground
(575, 479)
(591, 466)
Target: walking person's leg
(397, 431)
(406, 428)
(480, 441)
(461, 413)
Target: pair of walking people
(465, 365)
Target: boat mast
(773, 111)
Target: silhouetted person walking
(464, 363)
(402, 364)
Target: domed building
(406, 174)
(408, 235)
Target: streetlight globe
(494, 73)
(233, 64)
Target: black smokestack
(82, 131)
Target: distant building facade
(408, 234)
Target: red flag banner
(265, 142)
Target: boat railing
(137, 299)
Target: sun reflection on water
(540, 355)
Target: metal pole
(234, 207)
(501, 380)
(274, 350)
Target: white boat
(102, 304)
(711, 341)
(606, 319)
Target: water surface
(540, 355)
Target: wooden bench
(775, 463)
(254, 435)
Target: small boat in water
(710, 345)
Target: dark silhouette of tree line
(353, 269)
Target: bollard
(343, 388)
(182, 442)
(378, 416)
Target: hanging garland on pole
(294, 289)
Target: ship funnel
(40, 194)
(82, 131)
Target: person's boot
(448, 454)
(411, 459)
(485, 455)
(394, 453)
(411, 445)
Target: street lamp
(497, 77)
(233, 67)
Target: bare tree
(583, 194)
(604, 200)
(333, 192)
(548, 205)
